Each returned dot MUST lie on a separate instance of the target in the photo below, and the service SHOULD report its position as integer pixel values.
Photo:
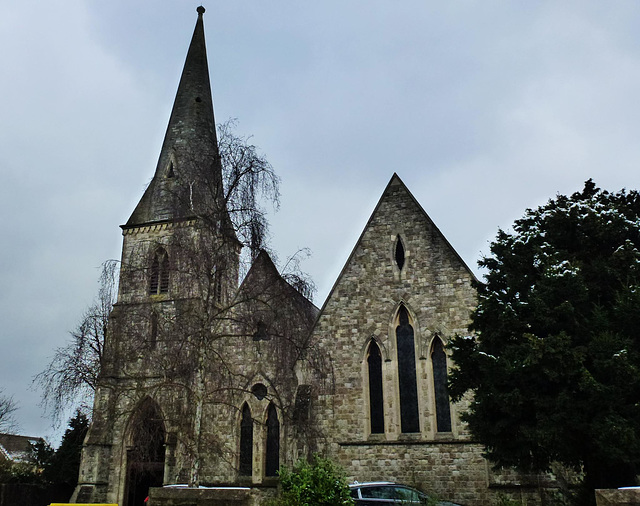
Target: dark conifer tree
(554, 365)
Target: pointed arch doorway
(145, 453)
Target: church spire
(188, 177)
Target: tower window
(399, 253)
(409, 419)
(159, 279)
(443, 409)
(170, 171)
(376, 404)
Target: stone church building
(212, 381)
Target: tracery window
(246, 442)
(272, 463)
(376, 399)
(409, 418)
(441, 392)
(159, 279)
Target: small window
(261, 333)
(399, 253)
(259, 390)
(170, 171)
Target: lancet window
(399, 253)
(246, 442)
(272, 463)
(409, 418)
(376, 399)
(441, 393)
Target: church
(212, 380)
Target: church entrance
(145, 454)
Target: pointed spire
(189, 157)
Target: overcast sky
(482, 108)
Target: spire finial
(200, 10)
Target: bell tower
(179, 252)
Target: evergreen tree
(554, 365)
(65, 463)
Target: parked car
(386, 492)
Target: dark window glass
(376, 405)
(259, 390)
(406, 494)
(273, 442)
(399, 253)
(170, 172)
(443, 410)
(407, 374)
(261, 332)
(246, 442)
(383, 492)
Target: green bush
(319, 482)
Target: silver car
(386, 492)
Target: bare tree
(8, 406)
(71, 377)
(176, 337)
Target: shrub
(318, 482)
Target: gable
(427, 256)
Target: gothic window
(246, 442)
(170, 171)
(159, 281)
(409, 420)
(399, 253)
(273, 442)
(376, 405)
(441, 393)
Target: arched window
(159, 279)
(273, 442)
(376, 399)
(441, 393)
(409, 421)
(246, 442)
